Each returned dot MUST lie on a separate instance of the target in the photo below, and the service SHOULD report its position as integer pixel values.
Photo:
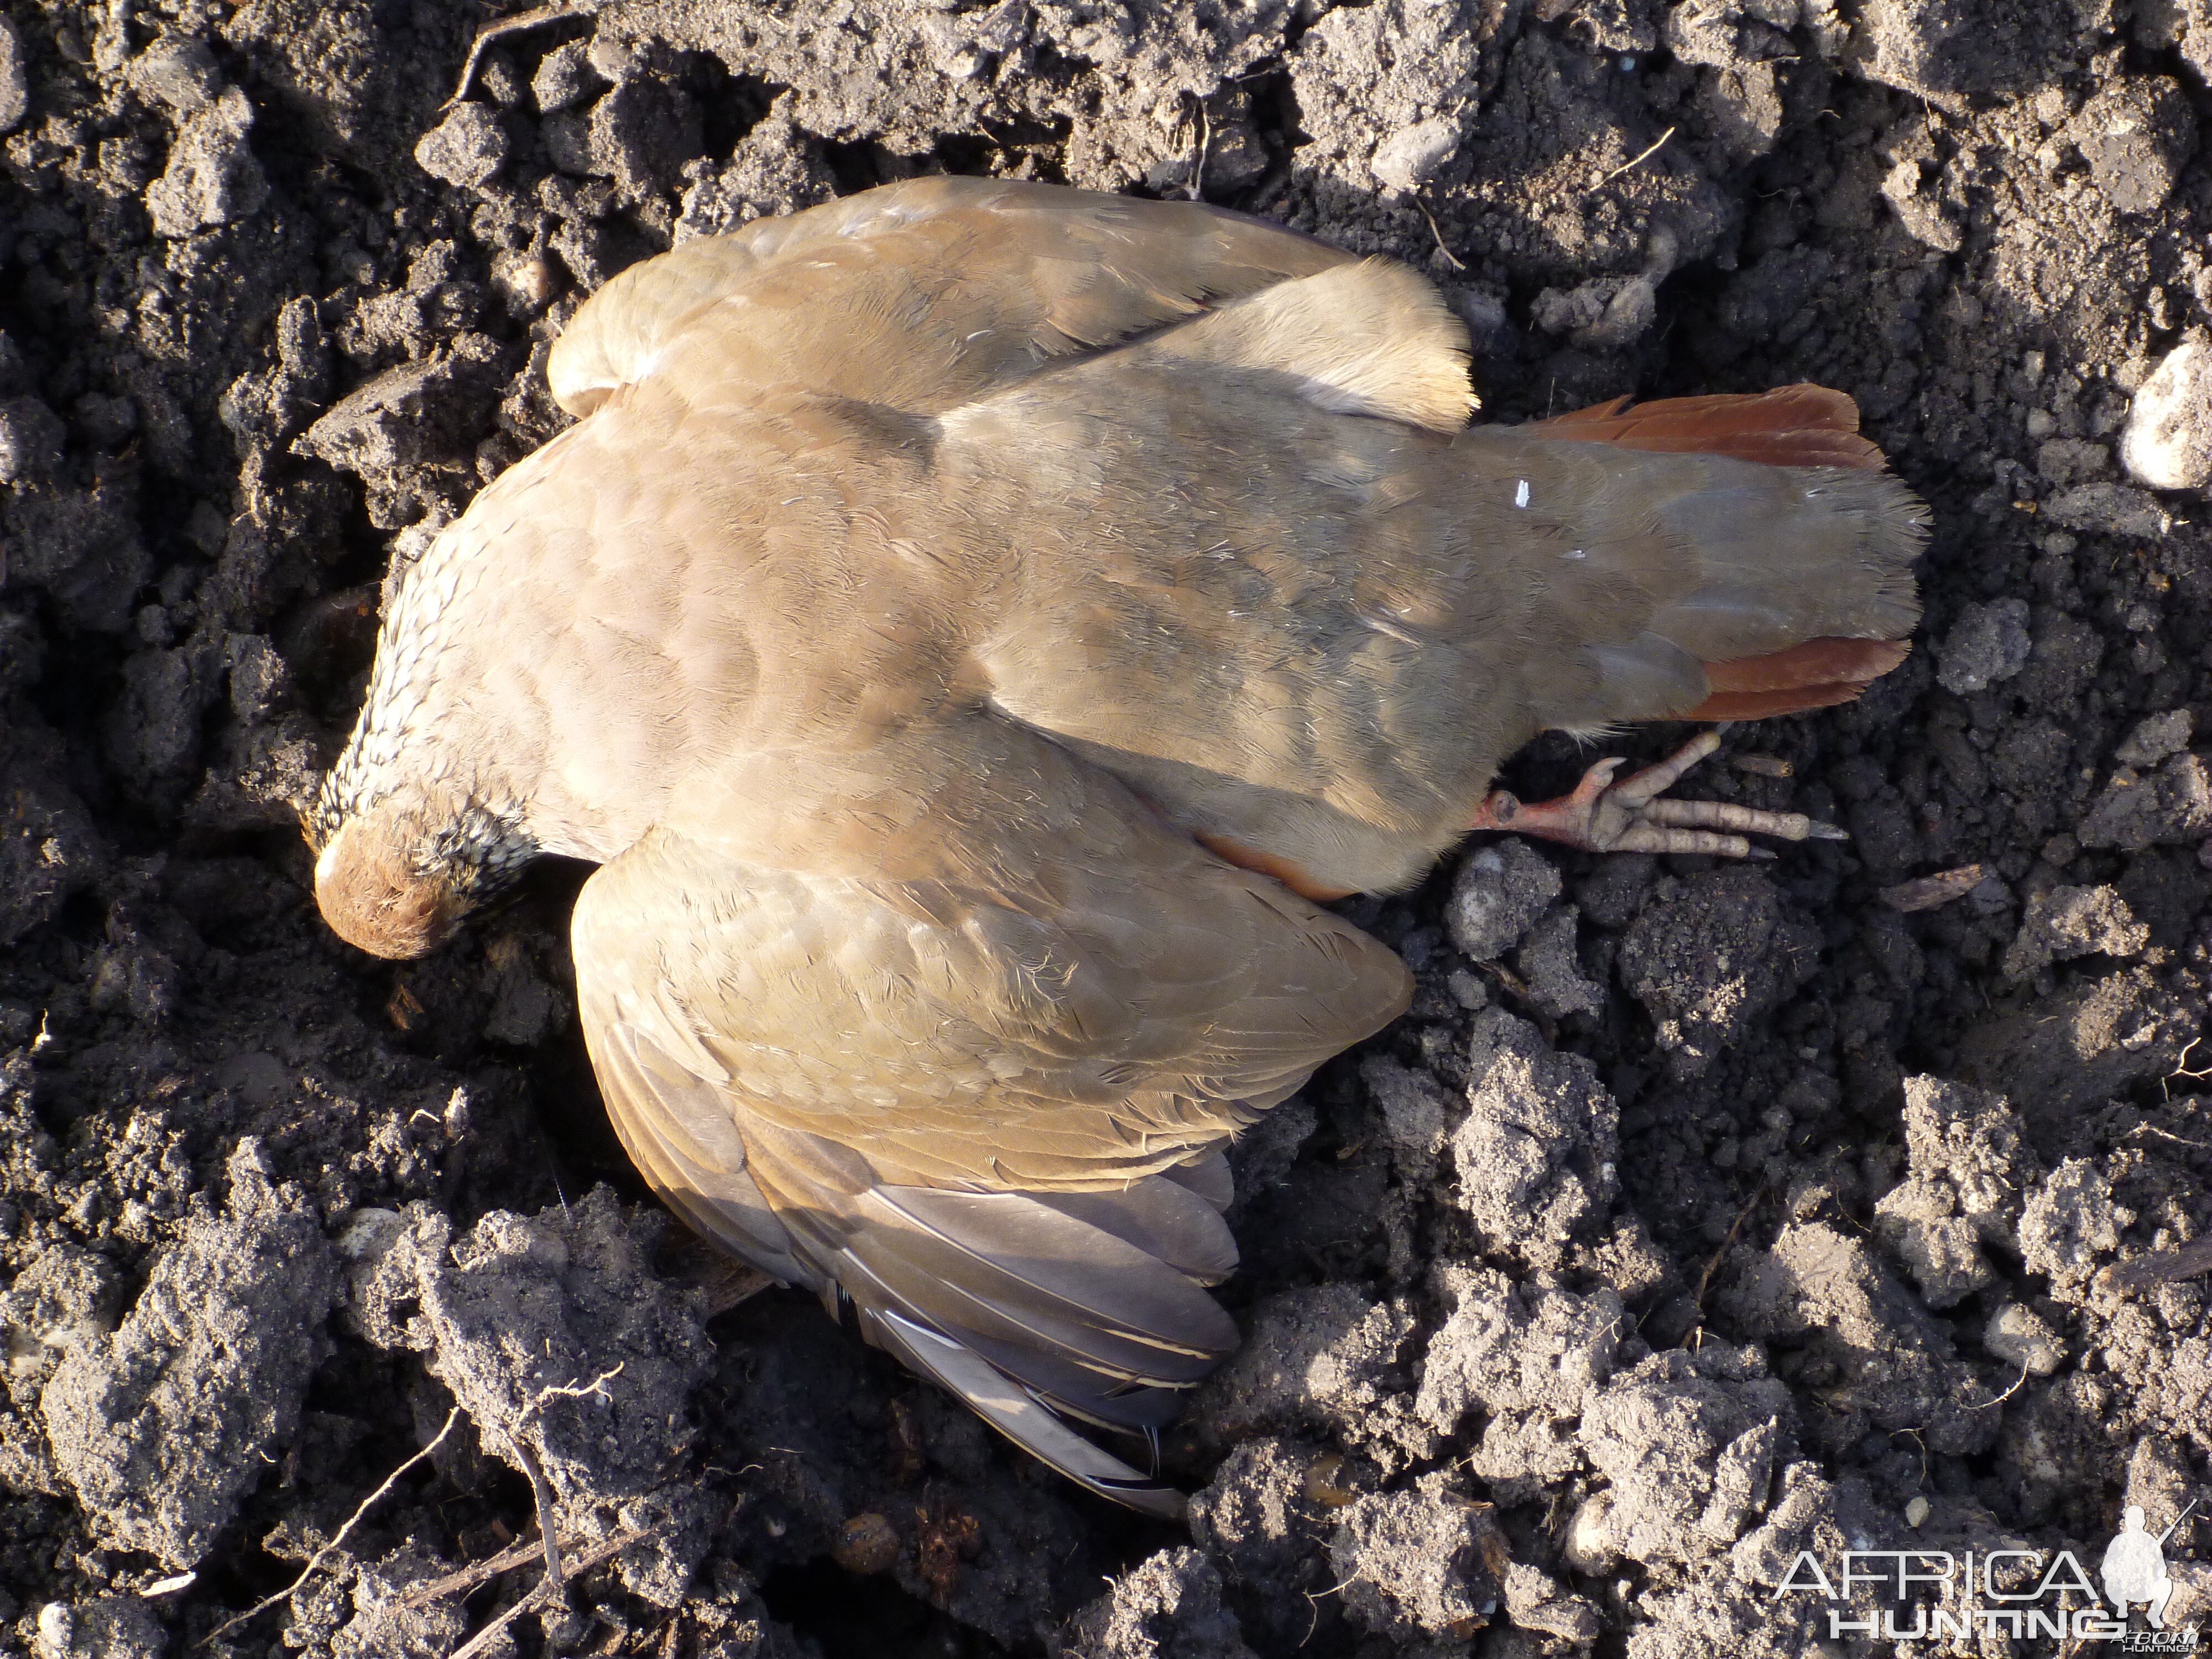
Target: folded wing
(917, 295)
(979, 1106)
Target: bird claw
(1634, 815)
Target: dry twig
(477, 1572)
(2163, 1268)
(1439, 235)
(541, 1489)
(352, 1520)
(1930, 891)
(1633, 160)
(492, 33)
(545, 1589)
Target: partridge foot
(1632, 815)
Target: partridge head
(971, 625)
(383, 885)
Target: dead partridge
(969, 625)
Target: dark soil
(1694, 1216)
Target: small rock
(2135, 134)
(2067, 922)
(2017, 1334)
(15, 79)
(105, 1627)
(1988, 644)
(1589, 1547)
(565, 78)
(1549, 967)
(2068, 1222)
(1537, 1152)
(1408, 159)
(2156, 739)
(2111, 509)
(212, 177)
(952, 50)
(465, 149)
(1600, 315)
(527, 281)
(162, 1428)
(1499, 892)
(866, 1544)
(30, 440)
(1168, 1607)
(179, 72)
(2164, 808)
(1412, 1565)
(2167, 442)
(616, 60)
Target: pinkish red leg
(1633, 816)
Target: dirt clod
(162, 1427)
(1694, 1216)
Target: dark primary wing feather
(966, 1092)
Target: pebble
(2135, 134)
(30, 438)
(1988, 643)
(2167, 442)
(212, 177)
(466, 148)
(2018, 1335)
(1408, 159)
(2156, 739)
(865, 1544)
(565, 76)
(14, 78)
(1499, 892)
(2109, 509)
(179, 72)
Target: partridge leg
(1633, 815)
